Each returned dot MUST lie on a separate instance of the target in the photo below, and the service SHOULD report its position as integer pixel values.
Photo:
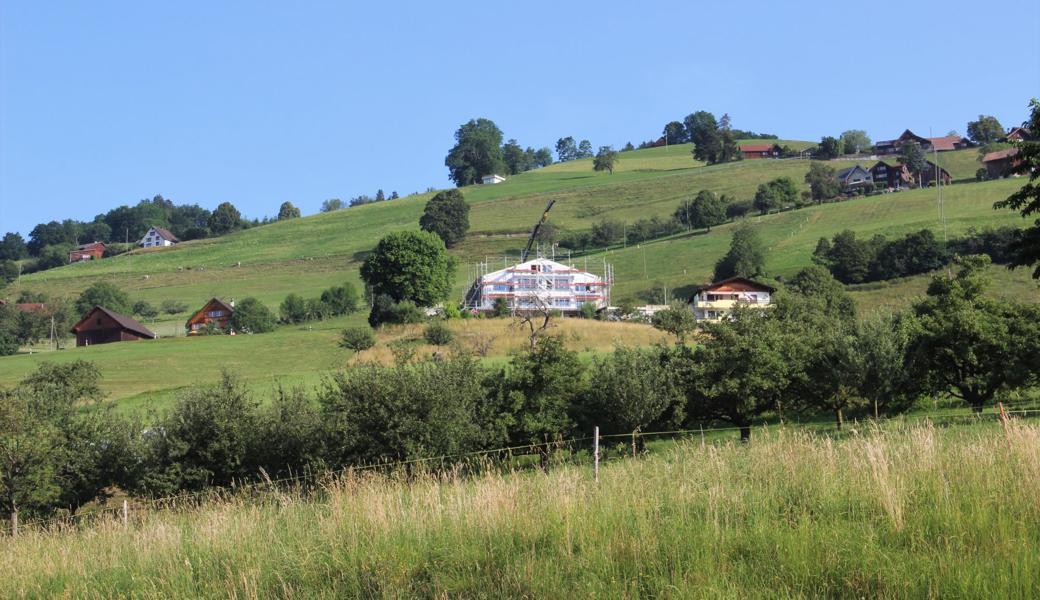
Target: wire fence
(503, 457)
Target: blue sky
(105, 103)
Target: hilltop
(307, 255)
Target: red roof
(948, 142)
(122, 320)
(741, 284)
(91, 246)
(1000, 154)
(756, 147)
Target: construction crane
(534, 232)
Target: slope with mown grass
(893, 512)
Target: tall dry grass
(895, 512)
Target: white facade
(490, 179)
(713, 302)
(156, 238)
(540, 283)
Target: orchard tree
(410, 265)
(103, 294)
(775, 194)
(828, 149)
(986, 130)
(605, 159)
(855, 141)
(674, 133)
(331, 204)
(823, 181)
(632, 390)
(566, 149)
(1026, 250)
(288, 211)
(225, 218)
(584, 149)
(746, 256)
(706, 210)
(968, 345)
(677, 320)
(293, 309)
(446, 215)
(477, 152)
(911, 155)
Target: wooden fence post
(126, 512)
(14, 524)
(595, 453)
(702, 436)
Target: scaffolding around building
(539, 283)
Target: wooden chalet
(752, 151)
(928, 174)
(1019, 134)
(1001, 163)
(103, 326)
(891, 176)
(91, 251)
(215, 312)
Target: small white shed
(492, 179)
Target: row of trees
(806, 356)
(479, 151)
(333, 302)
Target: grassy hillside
(892, 513)
(310, 254)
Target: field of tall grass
(895, 511)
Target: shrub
(252, 316)
(588, 310)
(500, 308)
(357, 339)
(438, 334)
(173, 307)
(146, 310)
(293, 309)
(340, 300)
(981, 174)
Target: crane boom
(534, 232)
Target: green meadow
(892, 511)
(313, 253)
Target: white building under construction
(541, 283)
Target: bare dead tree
(536, 319)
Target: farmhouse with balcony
(216, 312)
(91, 251)
(103, 326)
(891, 176)
(157, 237)
(751, 151)
(712, 302)
(541, 284)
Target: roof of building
(90, 246)
(1000, 154)
(756, 147)
(166, 234)
(842, 174)
(741, 284)
(124, 321)
(1021, 133)
(217, 301)
(527, 267)
(948, 142)
(30, 307)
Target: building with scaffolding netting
(540, 284)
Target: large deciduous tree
(1026, 250)
(446, 215)
(855, 141)
(968, 345)
(103, 294)
(823, 181)
(225, 218)
(12, 247)
(477, 152)
(911, 155)
(605, 159)
(410, 265)
(775, 195)
(746, 256)
(566, 149)
(288, 211)
(985, 130)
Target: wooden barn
(103, 326)
(216, 311)
(751, 151)
(92, 251)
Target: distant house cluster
(937, 144)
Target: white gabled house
(158, 237)
(541, 283)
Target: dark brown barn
(92, 251)
(751, 151)
(1001, 163)
(102, 326)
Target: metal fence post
(595, 453)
